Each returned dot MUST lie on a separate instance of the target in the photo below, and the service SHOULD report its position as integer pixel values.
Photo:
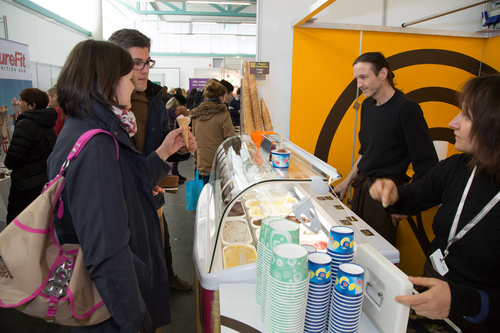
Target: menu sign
(259, 67)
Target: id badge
(437, 261)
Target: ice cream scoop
(183, 122)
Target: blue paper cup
(319, 268)
(350, 279)
(281, 159)
(341, 240)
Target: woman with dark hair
(463, 265)
(190, 98)
(211, 125)
(31, 144)
(108, 199)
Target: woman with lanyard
(463, 264)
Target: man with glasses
(152, 122)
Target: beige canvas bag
(40, 277)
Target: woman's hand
(173, 142)
(434, 303)
(192, 144)
(385, 191)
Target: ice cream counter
(244, 188)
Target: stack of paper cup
(347, 299)
(263, 257)
(279, 231)
(340, 247)
(318, 298)
(288, 288)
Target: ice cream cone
(184, 123)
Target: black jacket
(32, 142)
(109, 210)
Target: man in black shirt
(392, 135)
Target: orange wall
(322, 71)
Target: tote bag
(193, 190)
(40, 277)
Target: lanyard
(452, 238)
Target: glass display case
(247, 184)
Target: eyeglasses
(141, 64)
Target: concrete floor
(182, 303)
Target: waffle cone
(184, 123)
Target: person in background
(108, 205)
(200, 94)
(190, 98)
(211, 125)
(392, 135)
(230, 89)
(176, 106)
(152, 123)
(234, 108)
(165, 95)
(16, 109)
(52, 92)
(464, 284)
(171, 106)
(32, 142)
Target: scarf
(127, 118)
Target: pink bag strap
(80, 143)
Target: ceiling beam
(221, 11)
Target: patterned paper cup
(341, 240)
(281, 158)
(280, 232)
(289, 263)
(350, 279)
(264, 225)
(319, 268)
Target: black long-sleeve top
(392, 136)
(474, 260)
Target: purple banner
(197, 83)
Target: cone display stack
(254, 96)
(253, 120)
(247, 103)
(266, 117)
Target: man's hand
(434, 303)
(158, 190)
(395, 218)
(341, 189)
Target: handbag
(193, 190)
(41, 277)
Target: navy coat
(109, 210)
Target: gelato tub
(236, 231)
(236, 255)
